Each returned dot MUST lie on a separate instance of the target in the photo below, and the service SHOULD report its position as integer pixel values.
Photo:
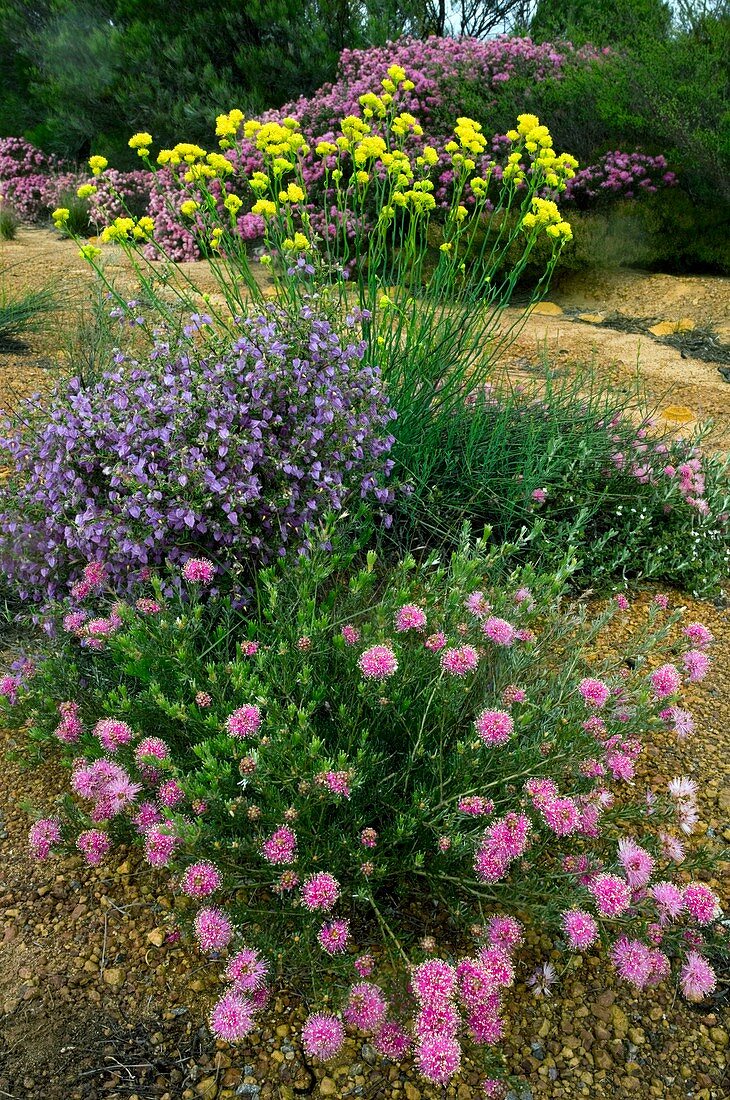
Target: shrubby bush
(358, 742)
(235, 451)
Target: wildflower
(333, 936)
(378, 663)
(698, 634)
(410, 617)
(435, 642)
(499, 631)
(612, 895)
(170, 794)
(672, 847)
(366, 1006)
(202, 699)
(97, 164)
(199, 571)
(147, 814)
(621, 602)
(365, 965)
(580, 928)
(93, 845)
(475, 806)
(700, 902)
(244, 722)
(231, 1018)
(350, 634)
(542, 979)
(665, 681)
(147, 750)
(201, 879)
(633, 960)
(368, 838)
(322, 1036)
(682, 787)
(669, 900)
(438, 1058)
(43, 835)
(281, 846)
(391, 1041)
(459, 662)
(595, 693)
(141, 142)
(337, 782)
(320, 891)
(495, 727)
(636, 862)
(247, 970)
(539, 495)
(433, 981)
(159, 846)
(213, 929)
(504, 932)
(697, 977)
(696, 664)
(561, 815)
(496, 964)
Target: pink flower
(170, 794)
(148, 749)
(497, 965)
(612, 895)
(580, 928)
(337, 782)
(475, 806)
(665, 681)
(147, 814)
(495, 727)
(499, 631)
(438, 1058)
(366, 1006)
(213, 929)
(112, 733)
(351, 634)
(322, 1036)
(147, 607)
(621, 602)
(333, 936)
(249, 649)
(231, 1018)
(281, 846)
(202, 699)
(433, 981)
(561, 815)
(477, 604)
(368, 838)
(458, 662)
(633, 960)
(320, 891)
(410, 617)
(636, 862)
(43, 835)
(200, 879)
(662, 601)
(198, 571)
(595, 693)
(697, 977)
(513, 694)
(364, 965)
(698, 634)
(378, 663)
(244, 722)
(504, 932)
(392, 1041)
(247, 970)
(159, 846)
(669, 900)
(672, 847)
(701, 903)
(435, 642)
(696, 664)
(93, 845)
(539, 495)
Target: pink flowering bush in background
(359, 740)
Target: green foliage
(618, 23)
(20, 315)
(8, 222)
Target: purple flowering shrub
(235, 449)
(361, 743)
(619, 175)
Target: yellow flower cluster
(227, 127)
(89, 252)
(60, 216)
(293, 193)
(189, 207)
(297, 243)
(537, 141)
(470, 136)
(86, 190)
(232, 204)
(265, 207)
(544, 214)
(125, 229)
(97, 165)
(141, 142)
(370, 148)
(404, 122)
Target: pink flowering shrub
(329, 785)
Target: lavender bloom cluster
(234, 454)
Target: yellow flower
(446, 246)
(86, 190)
(408, 85)
(119, 230)
(60, 216)
(259, 182)
(233, 204)
(325, 149)
(280, 165)
(293, 193)
(385, 302)
(362, 177)
(513, 135)
(220, 164)
(141, 142)
(297, 243)
(215, 238)
(98, 164)
(461, 213)
(89, 252)
(397, 74)
(144, 229)
(525, 123)
(189, 207)
(430, 155)
(265, 260)
(368, 149)
(265, 207)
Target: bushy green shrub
(359, 743)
